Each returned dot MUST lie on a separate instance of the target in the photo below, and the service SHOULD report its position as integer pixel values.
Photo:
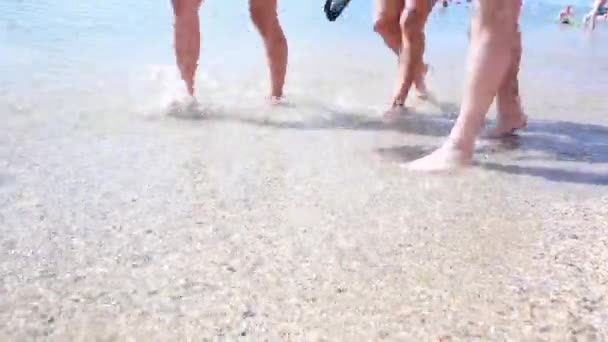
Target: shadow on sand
(551, 141)
(543, 140)
(405, 154)
(331, 119)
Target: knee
(491, 33)
(257, 15)
(186, 8)
(385, 24)
(265, 21)
(410, 22)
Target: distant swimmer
(598, 10)
(264, 16)
(565, 15)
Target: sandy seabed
(298, 227)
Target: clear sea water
(115, 57)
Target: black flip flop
(333, 8)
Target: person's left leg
(187, 38)
(510, 116)
(265, 18)
(420, 80)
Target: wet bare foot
(506, 127)
(422, 93)
(446, 159)
(187, 108)
(395, 112)
(275, 100)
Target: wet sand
(277, 225)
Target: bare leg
(493, 35)
(187, 39)
(420, 83)
(265, 18)
(510, 113)
(412, 23)
(386, 22)
(591, 17)
(387, 15)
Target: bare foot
(446, 159)
(187, 108)
(279, 102)
(396, 111)
(422, 93)
(506, 127)
(275, 100)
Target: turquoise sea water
(121, 51)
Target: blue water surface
(49, 40)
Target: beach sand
(298, 223)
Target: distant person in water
(401, 24)
(598, 10)
(565, 15)
(494, 55)
(264, 16)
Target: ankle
(276, 94)
(398, 103)
(515, 118)
(464, 147)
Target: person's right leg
(493, 35)
(187, 38)
(412, 23)
(386, 22)
(265, 18)
(420, 81)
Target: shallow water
(62, 49)
(294, 223)
(59, 59)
